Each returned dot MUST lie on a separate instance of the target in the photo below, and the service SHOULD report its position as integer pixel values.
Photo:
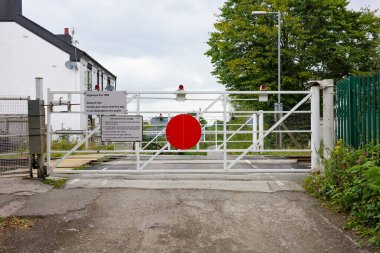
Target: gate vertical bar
(254, 128)
(261, 129)
(138, 143)
(374, 135)
(354, 109)
(349, 110)
(377, 108)
(199, 121)
(169, 118)
(225, 131)
(216, 133)
(315, 136)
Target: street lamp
(278, 105)
(258, 13)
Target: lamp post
(258, 13)
(278, 105)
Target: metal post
(279, 57)
(138, 143)
(40, 96)
(328, 117)
(39, 88)
(315, 122)
(225, 131)
(279, 105)
(261, 130)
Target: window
(88, 80)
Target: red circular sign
(183, 131)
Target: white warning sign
(105, 102)
(123, 128)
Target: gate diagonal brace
(269, 131)
(75, 148)
(240, 128)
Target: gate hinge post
(315, 126)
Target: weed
(16, 222)
(56, 183)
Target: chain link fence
(14, 136)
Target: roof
(57, 40)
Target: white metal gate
(219, 133)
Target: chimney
(65, 36)
(9, 9)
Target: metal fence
(14, 136)
(358, 110)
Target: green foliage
(66, 144)
(56, 183)
(319, 39)
(351, 184)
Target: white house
(27, 51)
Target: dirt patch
(13, 225)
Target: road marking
(249, 162)
(280, 183)
(105, 169)
(104, 182)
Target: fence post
(328, 117)
(315, 122)
(37, 140)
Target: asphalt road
(130, 220)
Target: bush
(351, 184)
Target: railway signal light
(181, 94)
(263, 97)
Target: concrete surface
(172, 213)
(75, 161)
(241, 186)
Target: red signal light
(181, 87)
(263, 88)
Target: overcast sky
(148, 44)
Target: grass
(56, 183)
(16, 222)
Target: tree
(319, 39)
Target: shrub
(351, 184)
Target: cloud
(162, 73)
(147, 44)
